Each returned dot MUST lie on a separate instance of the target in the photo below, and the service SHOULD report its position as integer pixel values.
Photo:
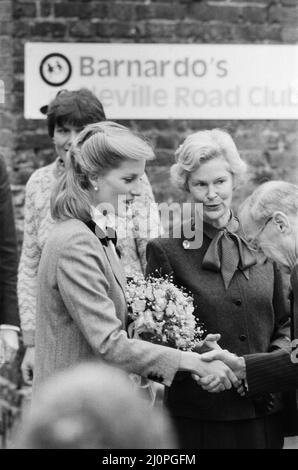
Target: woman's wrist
(190, 362)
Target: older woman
(235, 296)
(81, 306)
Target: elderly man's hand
(216, 376)
(235, 363)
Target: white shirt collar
(102, 221)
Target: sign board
(168, 81)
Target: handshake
(219, 369)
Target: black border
(57, 54)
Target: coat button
(186, 244)
(238, 302)
(243, 337)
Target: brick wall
(269, 146)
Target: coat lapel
(116, 266)
(110, 254)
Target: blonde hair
(98, 149)
(267, 198)
(201, 147)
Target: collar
(228, 251)
(233, 226)
(101, 220)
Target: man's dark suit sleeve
(271, 372)
(277, 371)
(8, 254)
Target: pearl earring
(95, 188)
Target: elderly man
(270, 221)
(9, 318)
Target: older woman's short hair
(268, 198)
(201, 147)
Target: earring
(95, 188)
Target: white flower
(138, 305)
(149, 292)
(161, 303)
(162, 313)
(159, 314)
(169, 311)
(148, 319)
(189, 309)
(159, 294)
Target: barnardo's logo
(55, 69)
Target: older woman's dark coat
(251, 316)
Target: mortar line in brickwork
(231, 3)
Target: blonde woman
(67, 115)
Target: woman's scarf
(228, 251)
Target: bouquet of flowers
(162, 313)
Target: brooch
(186, 244)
